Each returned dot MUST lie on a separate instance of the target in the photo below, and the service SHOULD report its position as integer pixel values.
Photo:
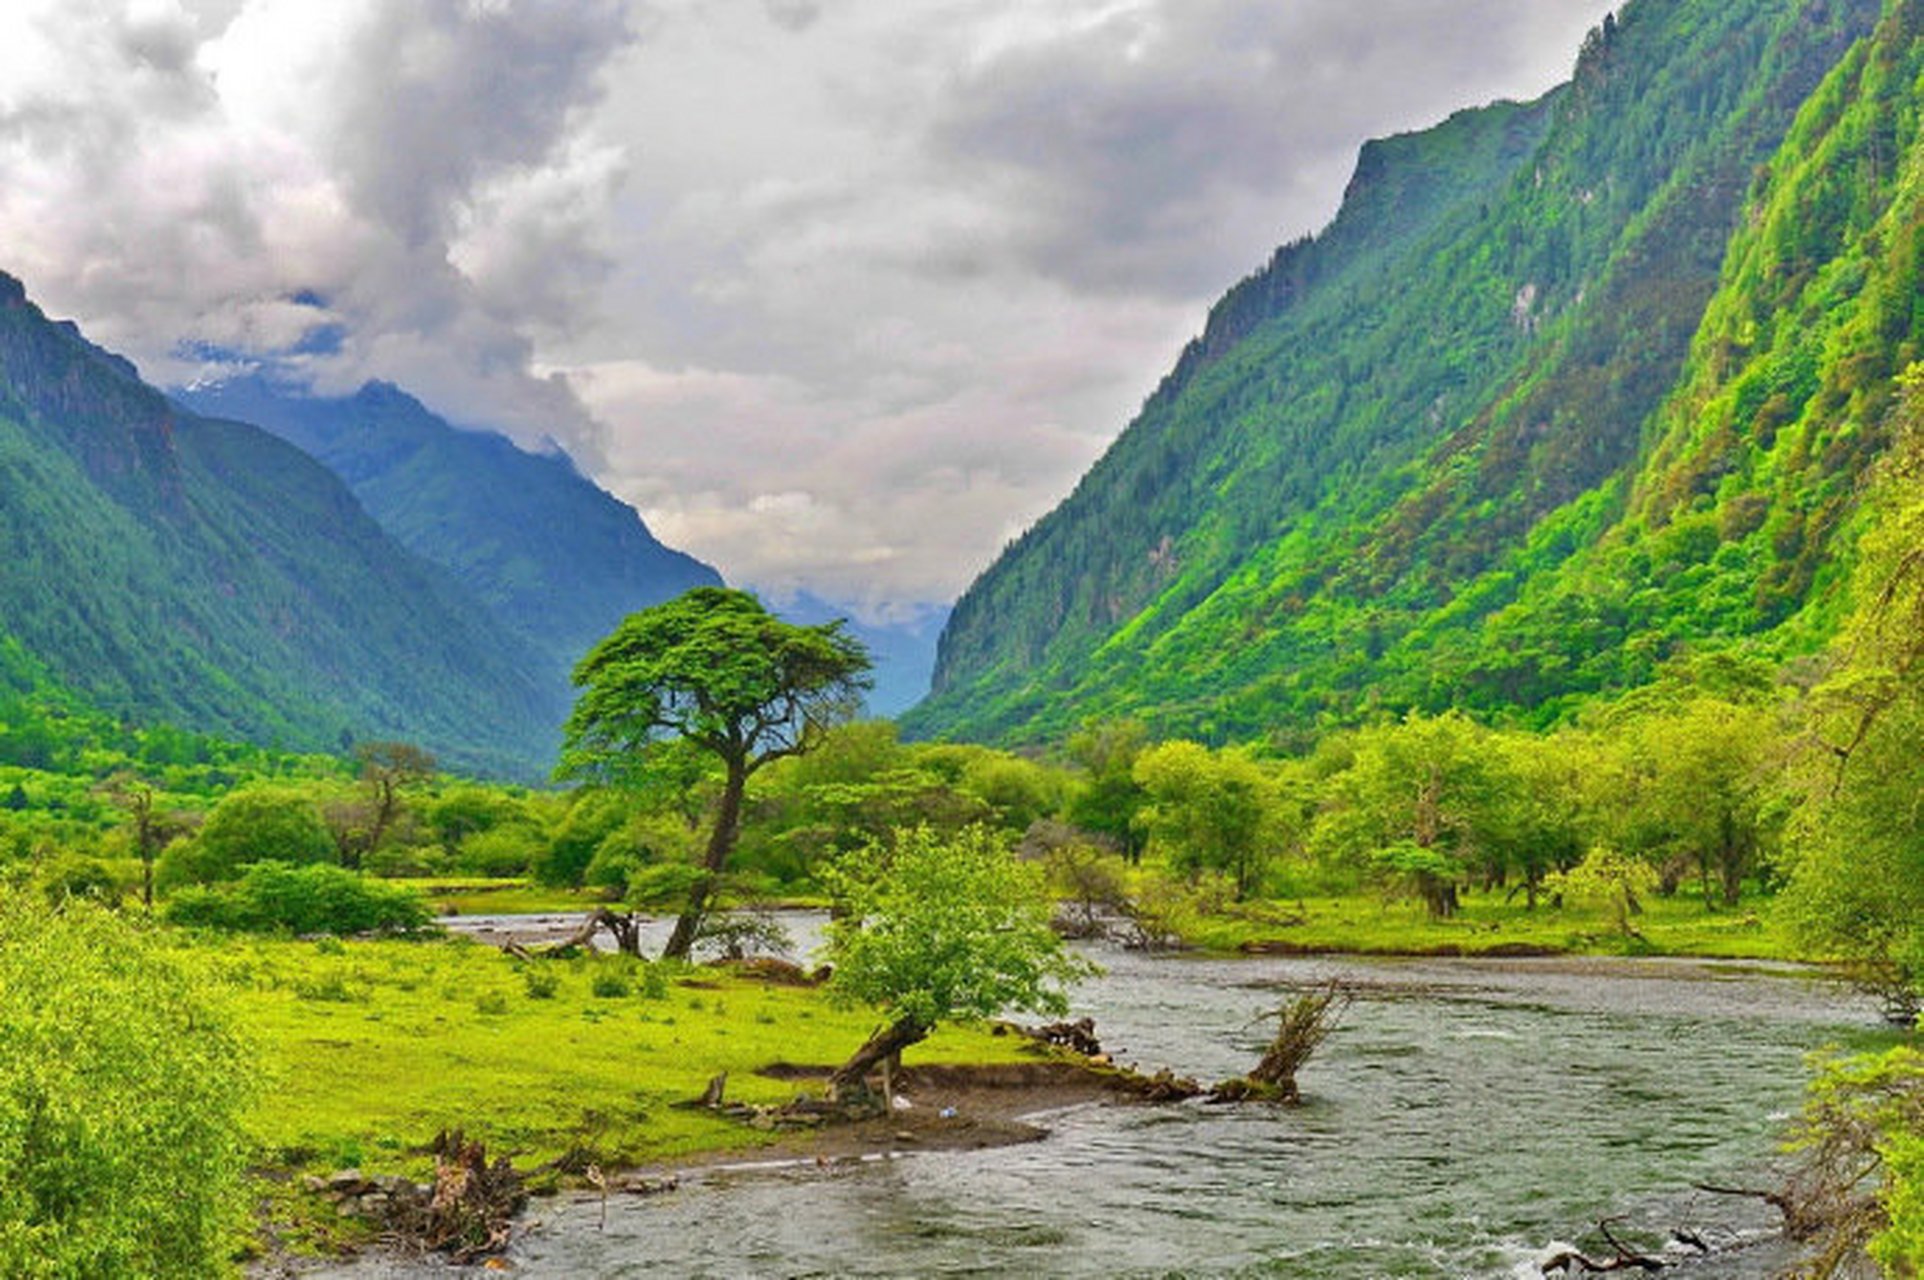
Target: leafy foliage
(936, 927)
(121, 1090)
(1858, 883)
(255, 824)
(715, 669)
(273, 897)
(1862, 1142)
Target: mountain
(558, 560)
(1463, 448)
(166, 566)
(555, 559)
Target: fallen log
(1627, 1259)
(625, 928)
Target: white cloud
(842, 295)
(184, 172)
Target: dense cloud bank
(842, 294)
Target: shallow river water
(1465, 1118)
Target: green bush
(121, 1090)
(258, 824)
(611, 986)
(274, 897)
(74, 875)
(500, 851)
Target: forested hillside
(556, 559)
(167, 567)
(1438, 456)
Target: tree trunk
(721, 842)
(1439, 895)
(885, 1046)
(1731, 864)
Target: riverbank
(1446, 1131)
(372, 1048)
(1494, 922)
(1487, 923)
(941, 1108)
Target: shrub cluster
(273, 897)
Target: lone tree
(148, 827)
(935, 927)
(387, 769)
(716, 670)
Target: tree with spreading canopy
(1218, 811)
(714, 669)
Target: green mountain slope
(169, 567)
(1384, 437)
(1739, 520)
(556, 559)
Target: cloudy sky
(841, 294)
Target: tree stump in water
(1302, 1026)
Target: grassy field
(371, 1048)
(1487, 924)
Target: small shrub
(492, 1004)
(73, 876)
(609, 985)
(500, 851)
(541, 983)
(330, 988)
(736, 935)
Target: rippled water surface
(1465, 1117)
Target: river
(1465, 1118)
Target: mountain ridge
(169, 567)
(558, 560)
(1314, 524)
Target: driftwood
(711, 1097)
(469, 1212)
(1627, 1259)
(1164, 1086)
(1079, 1036)
(625, 928)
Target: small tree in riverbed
(936, 927)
